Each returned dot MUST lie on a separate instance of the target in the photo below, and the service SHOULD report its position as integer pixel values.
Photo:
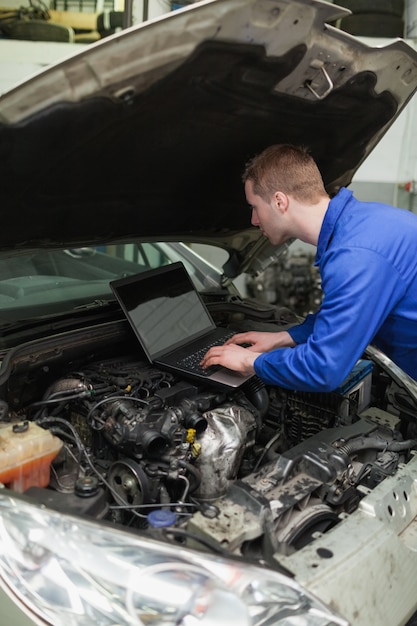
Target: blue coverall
(367, 258)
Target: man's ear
(281, 201)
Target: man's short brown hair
(286, 168)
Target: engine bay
(90, 428)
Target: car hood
(144, 135)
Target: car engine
(291, 278)
(91, 429)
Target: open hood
(145, 134)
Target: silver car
(263, 506)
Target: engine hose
(193, 471)
(257, 393)
(373, 443)
(65, 386)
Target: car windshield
(48, 282)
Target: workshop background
(34, 34)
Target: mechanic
(367, 258)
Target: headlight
(73, 572)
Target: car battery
(355, 391)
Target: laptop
(172, 323)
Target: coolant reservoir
(26, 453)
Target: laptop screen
(163, 307)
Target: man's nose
(254, 218)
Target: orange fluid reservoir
(26, 453)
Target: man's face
(267, 216)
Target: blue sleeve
(360, 287)
(301, 332)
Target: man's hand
(261, 341)
(233, 356)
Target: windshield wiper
(53, 318)
(93, 304)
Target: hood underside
(145, 134)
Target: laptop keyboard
(192, 361)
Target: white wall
(153, 8)
(21, 59)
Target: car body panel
(381, 540)
(14, 612)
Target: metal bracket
(328, 80)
